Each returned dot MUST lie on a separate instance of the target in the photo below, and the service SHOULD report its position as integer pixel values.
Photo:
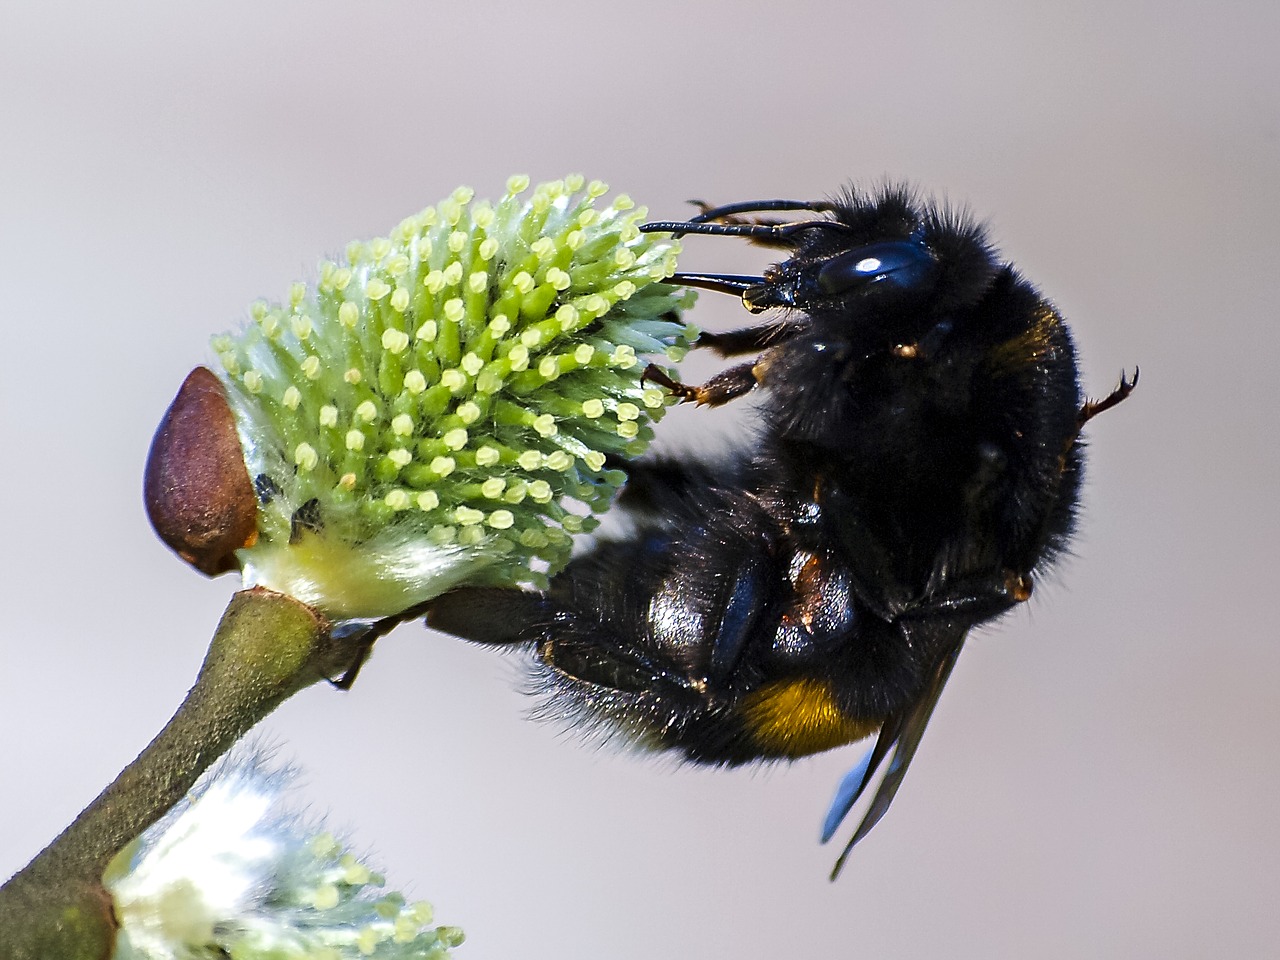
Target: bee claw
(685, 392)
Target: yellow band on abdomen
(793, 718)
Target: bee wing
(856, 780)
(901, 733)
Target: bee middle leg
(753, 339)
(975, 598)
(1091, 408)
(658, 485)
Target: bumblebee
(916, 467)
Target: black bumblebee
(917, 465)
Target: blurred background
(1101, 777)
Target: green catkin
(478, 349)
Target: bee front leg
(720, 389)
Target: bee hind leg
(361, 636)
(495, 616)
(578, 647)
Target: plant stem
(267, 647)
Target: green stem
(267, 648)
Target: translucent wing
(900, 734)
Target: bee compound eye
(899, 263)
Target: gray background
(1100, 780)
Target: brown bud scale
(198, 494)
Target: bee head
(886, 252)
(870, 259)
(889, 271)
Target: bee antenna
(719, 282)
(757, 206)
(759, 231)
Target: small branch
(267, 647)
